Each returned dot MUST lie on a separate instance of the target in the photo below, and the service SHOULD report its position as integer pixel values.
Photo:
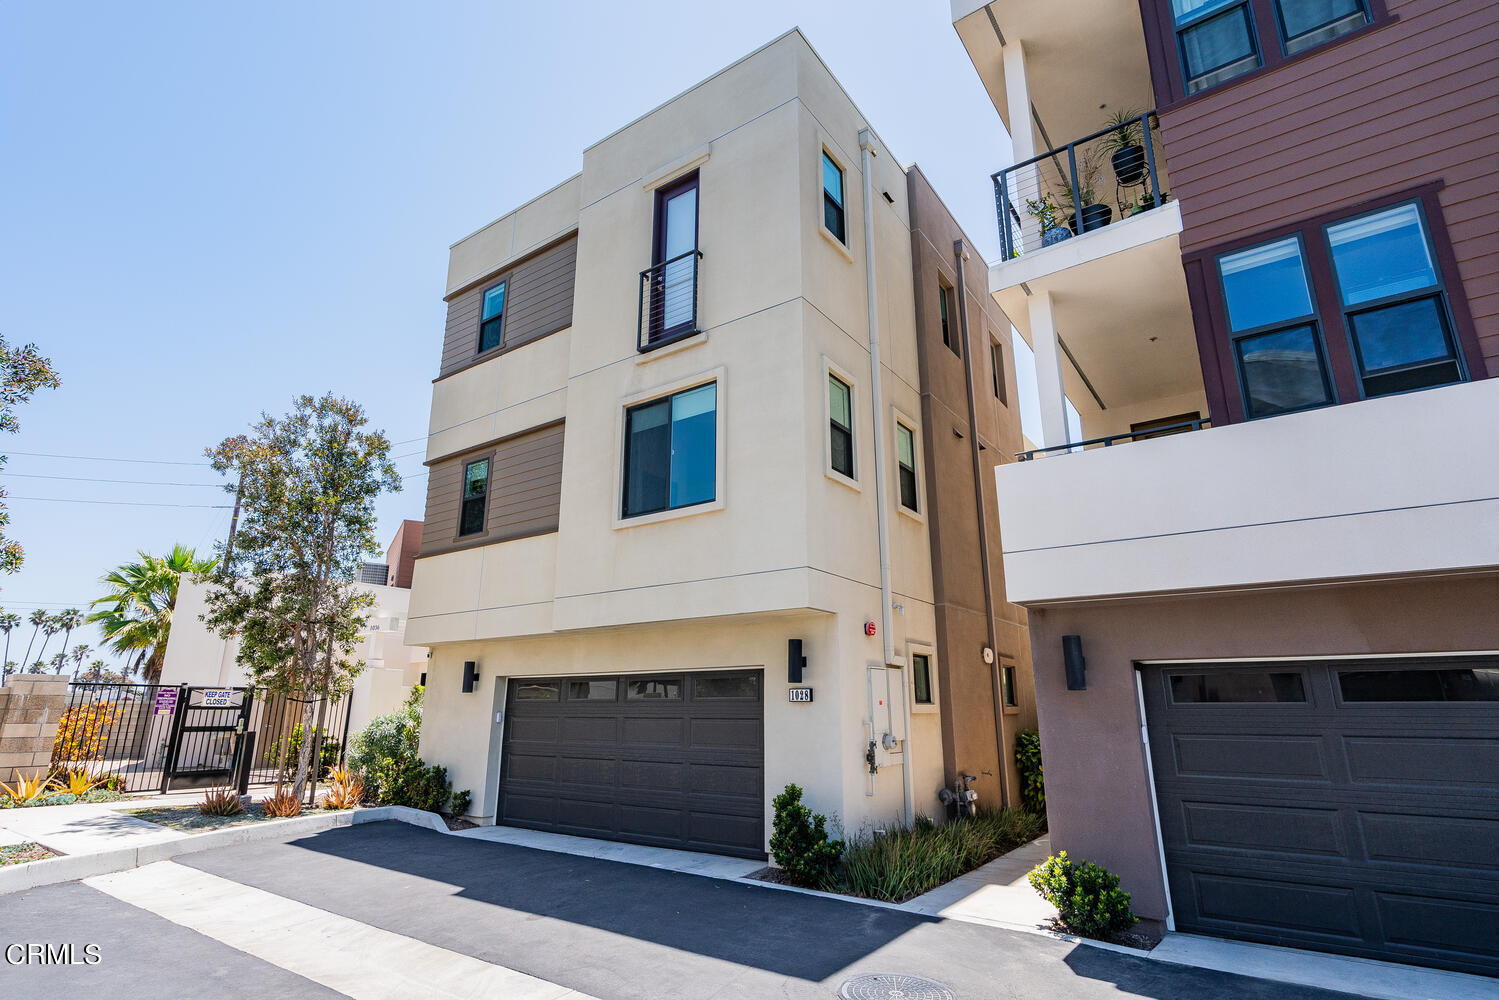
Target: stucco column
(1018, 99)
(1048, 370)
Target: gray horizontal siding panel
(538, 301)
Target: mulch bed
(189, 820)
(17, 854)
(1135, 938)
(770, 874)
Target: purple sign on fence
(166, 701)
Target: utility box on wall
(887, 705)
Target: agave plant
(281, 804)
(29, 790)
(345, 790)
(221, 802)
(79, 783)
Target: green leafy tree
(23, 371)
(135, 617)
(309, 482)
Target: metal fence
(668, 301)
(155, 737)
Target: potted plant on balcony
(1048, 215)
(1147, 202)
(1093, 215)
(1123, 143)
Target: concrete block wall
(31, 707)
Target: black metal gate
(157, 737)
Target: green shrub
(800, 843)
(387, 738)
(1087, 897)
(897, 865)
(415, 784)
(461, 802)
(1028, 762)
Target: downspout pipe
(877, 396)
(960, 254)
(881, 478)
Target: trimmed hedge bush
(1028, 762)
(1087, 897)
(800, 842)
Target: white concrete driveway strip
(355, 959)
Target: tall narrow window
(1274, 328)
(905, 452)
(673, 285)
(841, 426)
(492, 318)
(949, 317)
(475, 494)
(997, 371)
(1007, 682)
(832, 199)
(921, 679)
(1216, 41)
(1305, 23)
(1393, 300)
(671, 451)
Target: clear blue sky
(207, 210)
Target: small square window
(833, 215)
(1216, 41)
(1308, 23)
(921, 679)
(654, 689)
(905, 445)
(671, 451)
(593, 690)
(492, 318)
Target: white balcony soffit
(1119, 301)
(1380, 488)
(1084, 59)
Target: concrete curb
(71, 867)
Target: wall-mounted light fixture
(1072, 660)
(470, 676)
(795, 661)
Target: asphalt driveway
(616, 930)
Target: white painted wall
(1397, 485)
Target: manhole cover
(893, 986)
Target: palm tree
(69, 620)
(51, 625)
(37, 619)
(95, 672)
(136, 615)
(8, 623)
(78, 655)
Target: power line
(89, 479)
(125, 503)
(106, 458)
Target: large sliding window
(1393, 301)
(841, 426)
(1273, 327)
(671, 449)
(475, 497)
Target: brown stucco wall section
(968, 689)
(1097, 789)
(1409, 101)
(401, 555)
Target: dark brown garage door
(1348, 806)
(671, 760)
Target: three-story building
(1252, 244)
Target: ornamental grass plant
(897, 865)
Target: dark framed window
(1394, 305)
(538, 691)
(673, 286)
(1272, 323)
(905, 459)
(1237, 687)
(921, 679)
(1305, 24)
(997, 371)
(653, 689)
(475, 497)
(671, 448)
(492, 318)
(1449, 684)
(1215, 41)
(728, 687)
(949, 317)
(605, 690)
(1007, 685)
(840, 426)
(833, 214)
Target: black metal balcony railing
(1082, 186)
(1107, 442)
(668, 301)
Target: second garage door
(671, 760)
(1350, 806)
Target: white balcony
(1386, 487)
